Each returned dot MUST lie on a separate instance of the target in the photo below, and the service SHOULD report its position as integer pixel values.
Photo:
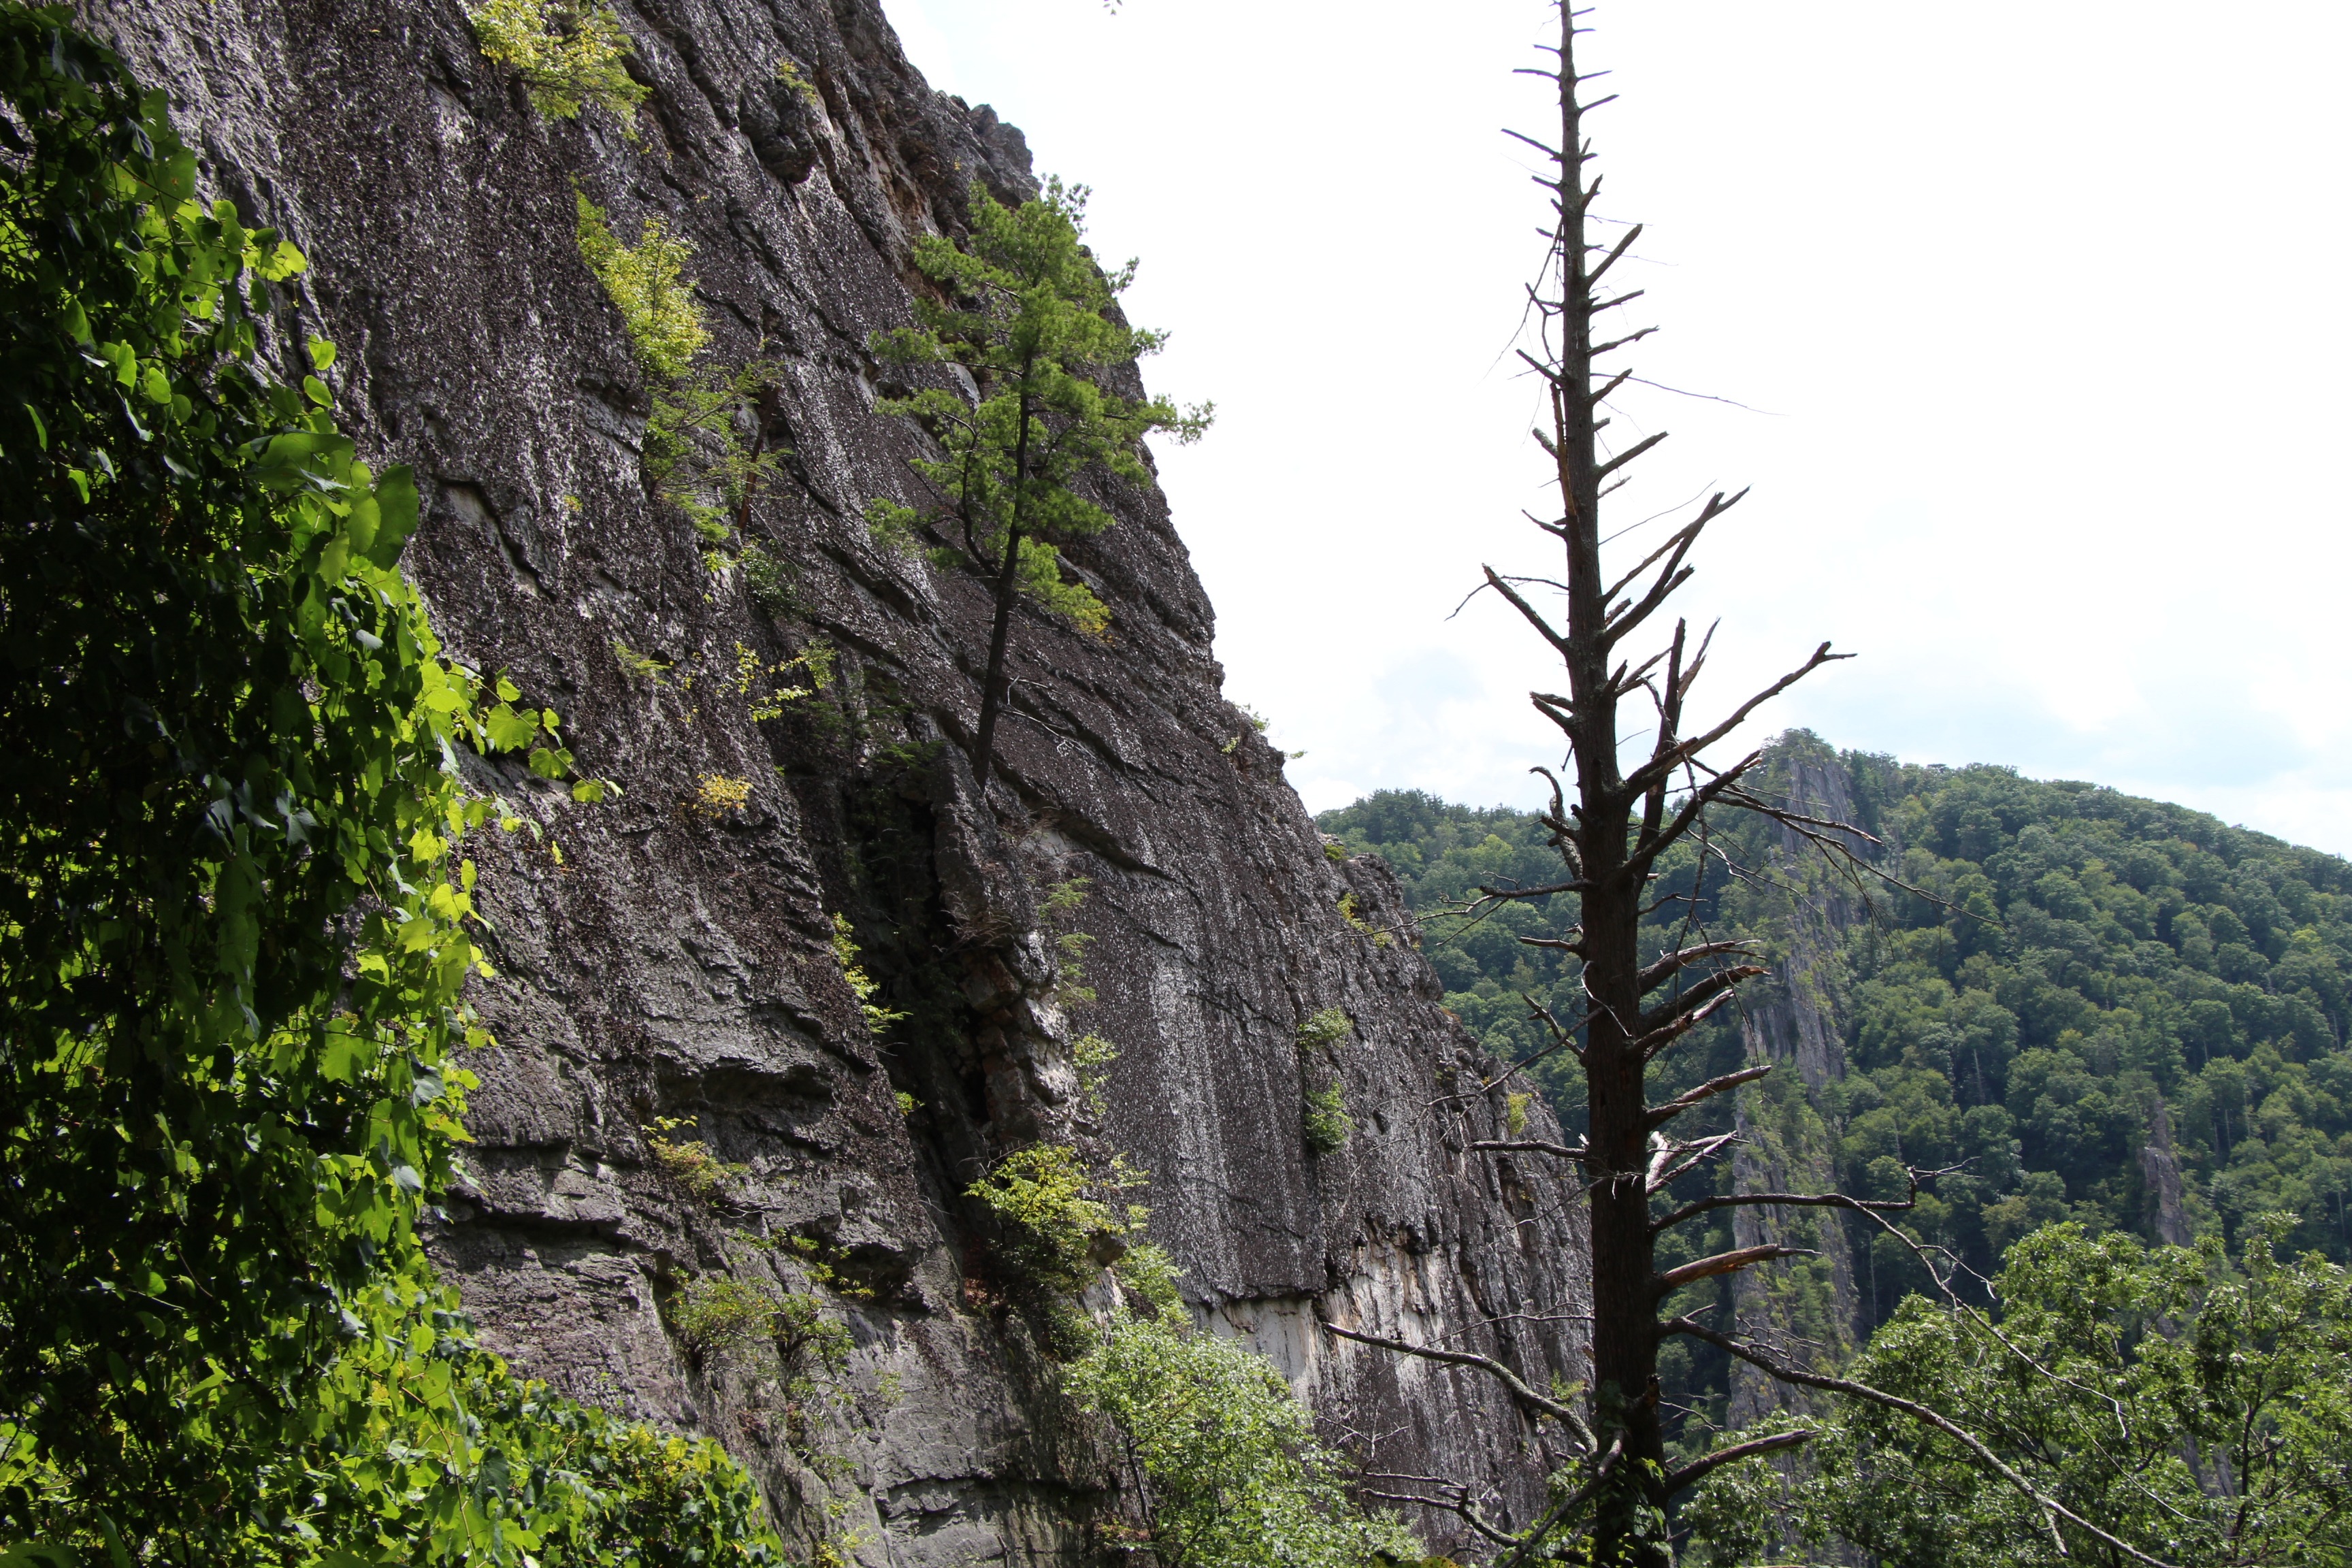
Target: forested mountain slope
(2102, 1007)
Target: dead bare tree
(1610, 840)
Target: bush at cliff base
(234, 916)
(1236, 1476)
(2198, 1409)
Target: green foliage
(713, 1316)
(1324, 1120)
(788, 71)
(1515, 1113)
(1059, 908)
(1060, 1227)
(772, 583)
(570, 55)
(645, 281)
(706, 450)
(1325, 1029)
(1351, 912)
(845, 952)
(1148, 1274)
(699, 460)
(637, 666)
(689, 1162)
(435, 1453)
(1237, 1479)
(826, 1264)
(235, 918)
(2200, 1413)
(1092, 1056)
(1033, 320)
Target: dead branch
(1698, 1469)
(1669, 964)
(1674, 1280)
(1659, 1116)
(1671, 1161)
(1518, 1387)
(1788, 1200)
(1649, 1045)
(1459, 1503)
(1664, 765)
(1532, 1146)
(1690, 1001)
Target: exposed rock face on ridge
(671, 979)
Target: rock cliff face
(668, 970)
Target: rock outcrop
(686, 1086)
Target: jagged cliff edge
(677, 961)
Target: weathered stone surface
(664, 958)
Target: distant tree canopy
(2092, 957)
(2092, 951)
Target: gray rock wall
(664, 957)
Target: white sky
(2047, 301)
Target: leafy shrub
(771, 582)
(788, 71)
(1092, 1056)
(644, 281)
(1237, 1478)
(1057, 1232)
(568, 54)
(713, 1316)
(718, 794)
(1515, 1113)
(845, 952)
(689, 1162)
(1353, 915)
(1148, 1273)
(698, 460)
(638, 666)
(2129, 1381)
(1325, 1119)
(1326, 1028)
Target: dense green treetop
(2201, 1413)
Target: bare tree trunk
(1609, 841)
(1008, 587)
(1624, 1276)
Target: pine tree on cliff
(1635, 1009)
(1034, 324)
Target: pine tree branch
(1698, 1469)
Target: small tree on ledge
(1033, 321)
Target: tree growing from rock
(1031, 319)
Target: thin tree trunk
(1625, 1275)
(992, 694)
